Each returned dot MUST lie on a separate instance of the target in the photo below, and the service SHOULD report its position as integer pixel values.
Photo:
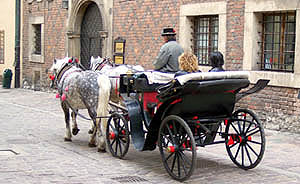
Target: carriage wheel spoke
(253, 133)
(120, 147)
(239, 125)
(237, 152)
(116, 149)
(178, 164)
(183, 140)
(171, 134)
(243, 164)
(235, 129)
(252, 149)
(249, 131)
(250, 123)
(175, 130)
(244, 124)
(169, 156)
(248, 155)
(111, 144)
(255, 142)
(233, 145)
(183, 165)
(184, 158)
(173, 163)
(165, 136)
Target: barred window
(2, 46)
(206, 32)
(278, 41)
(37, 39)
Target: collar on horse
(64, 69)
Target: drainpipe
(17, 43)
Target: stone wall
(277, 107)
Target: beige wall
(7, 23)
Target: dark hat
(168, 31)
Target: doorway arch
(90, 38)
(81, 14)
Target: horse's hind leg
(92, 142)
(75, 128)
(68, 136)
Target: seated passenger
(188, 63)
(216, 61)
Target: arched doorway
(90, 39)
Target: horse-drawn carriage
(188, 112)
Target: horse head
(56, 68)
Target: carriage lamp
(65, 4)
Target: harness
(105, 61)
(60, 74)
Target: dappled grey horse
(78, 89)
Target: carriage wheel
(117, 135)
(177, 147)
(245, 140)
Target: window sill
(291, 80)
(35, 58)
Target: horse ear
(54, 61)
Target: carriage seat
(204, 76)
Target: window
(37, 39)
(1, 46)
(205, 37)
(278, 41)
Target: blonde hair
(188, 62)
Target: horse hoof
(90, 131)
(75, 131)
(92, 145)
(101, 150)
(68, 139)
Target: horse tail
(102, 108)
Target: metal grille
(90, 39)
(278, 46)
(37, 38)
(2, 41)
(206, 32)
(129, 179)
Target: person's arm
(161, 59)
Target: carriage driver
(167, 59)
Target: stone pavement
(33, 151)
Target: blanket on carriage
(163, 78)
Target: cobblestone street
(32, 150)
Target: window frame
(186, 25)
(282, 41)
(252, 27)
(209, 35)
(33, 56)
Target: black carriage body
(206, 100)
(185, 113)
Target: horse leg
(75, 128)
(102, 110)
(68, 136)
(92, 142)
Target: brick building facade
(241, 29)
